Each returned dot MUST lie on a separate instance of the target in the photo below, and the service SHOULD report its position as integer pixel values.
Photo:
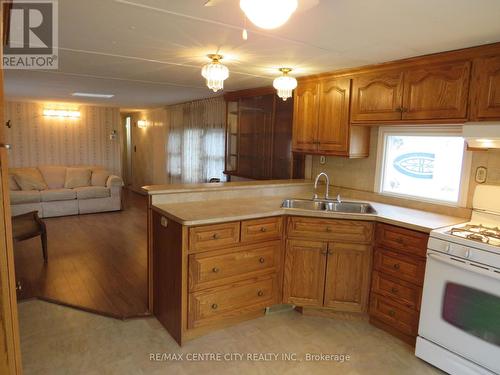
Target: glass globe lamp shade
(215, 73)
(284, 86)
(268, 14)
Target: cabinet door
(347, 277)
(438, 92)
(333, 123)
(377, 97)
(305, 117)
(304, 277)
(486, 89)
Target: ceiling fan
(268, 14)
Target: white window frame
(449, 130)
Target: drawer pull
(394, 290)
(260, 293)
(214, 306)
(392, 313)
(328, 229)
(261, 260)
(396, 266)
(263, 229)
(215, 270)
(215, 236)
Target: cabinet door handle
(260, 293)
(404, 109)
(215, 236)
(263, 229)
(261, 260)
(330, 252)
(394, 290)
(396, 266)
(328, 229)
(214, 306)
(215, 270)
(400, 241)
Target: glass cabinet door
(232, 136)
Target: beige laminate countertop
(225, 210)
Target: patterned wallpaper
(38, 140)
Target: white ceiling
(149, 52)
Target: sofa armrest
(114, 181)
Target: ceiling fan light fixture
(285, 84)
(268, 14)
(215, 73)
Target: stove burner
(478, 233)
(477, 237)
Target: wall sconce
(142, 124)
(61, 113)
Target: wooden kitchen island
(221, 255)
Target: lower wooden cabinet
(334, 275)
(304, 272)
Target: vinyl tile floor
(60, 340)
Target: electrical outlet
(322, 160)
(481, 175)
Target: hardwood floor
(97, 262)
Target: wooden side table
(27, 226)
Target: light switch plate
(481, 175)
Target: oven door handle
(464, 266)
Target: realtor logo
(32, 41)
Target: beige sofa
(60, 191)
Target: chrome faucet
(316, 185)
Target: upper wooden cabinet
(321, 120)
(305, 121)
(377, 97)
(438, 92)
(422, 93)
(485, 95)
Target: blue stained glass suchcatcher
(416, 164)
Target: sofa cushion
(26, 196)
(51, 195)
(91, 192)
(77, 177)
(12, 183)
(29, 179)
(54, 175)
(99, 177)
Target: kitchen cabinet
(397, 279)
(436, 92)
(321, 120)
(304, 272)
(328, 274)
(428, 92)
(485, 98)
(377, 96)
(259, 136)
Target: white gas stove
(459, 329)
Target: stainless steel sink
(330, 206)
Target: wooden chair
(27, 226)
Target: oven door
(461, 309)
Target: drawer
(211, 306)
(330, 229)
(209, 237)
(400, 266)
(402, 240)
(213, 268)
(401, 291)
(261, 229)
(394, 315)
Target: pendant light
(215, 73)
(285, 84)
(268, 14)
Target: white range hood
(483, 135)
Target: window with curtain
(195, 146)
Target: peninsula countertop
(226, 210)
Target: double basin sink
(330, 206)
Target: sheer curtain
(195, 146)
